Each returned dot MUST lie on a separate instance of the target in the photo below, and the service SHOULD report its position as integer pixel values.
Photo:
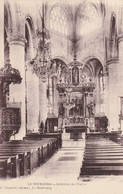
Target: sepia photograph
(61, 96)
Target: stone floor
(60, 174)
(65, 164)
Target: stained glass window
(88, 19)
(58, 20)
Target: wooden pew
(27, 161)
(19, 158)
(102, 157)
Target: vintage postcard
(61, 96)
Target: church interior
(61, 76)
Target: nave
(61, 74)
(93, 157)
(70, 165)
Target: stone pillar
(32, 101)
(106, 94)
(55, 97)
(120, 67)
(50, 97)
(17, 91)
(120, 75)
(43, 104)
(97, 97)
(1, 33)
(113, 96)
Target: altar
(76, 102)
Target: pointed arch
(113, 26)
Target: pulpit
(10, 121)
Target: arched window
(6, 47)
(113, 26)
(58, 20)
(7, 24)
(113, 37)
(93, 70)
(29, 40)
(88, 19)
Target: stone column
(1, 33)
(97, 97)
(50, 96)
(55, 97)
(120, 75)
(106, 94)
(120, 67)
(43, 104)
(113, 96)
(17, 91)
(32, 101)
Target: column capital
(120, 38)
(14, 40)
(106, 71)
(112, 61)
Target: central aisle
(65, 164)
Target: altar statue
(91, 109)
(75, 76)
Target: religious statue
(61, 110)
(59, 70)
(91, 109)
(54, 66)
(75, 76)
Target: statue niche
(75, 76)
(59, 69)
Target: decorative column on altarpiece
(89, 104)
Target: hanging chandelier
(41, 63)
